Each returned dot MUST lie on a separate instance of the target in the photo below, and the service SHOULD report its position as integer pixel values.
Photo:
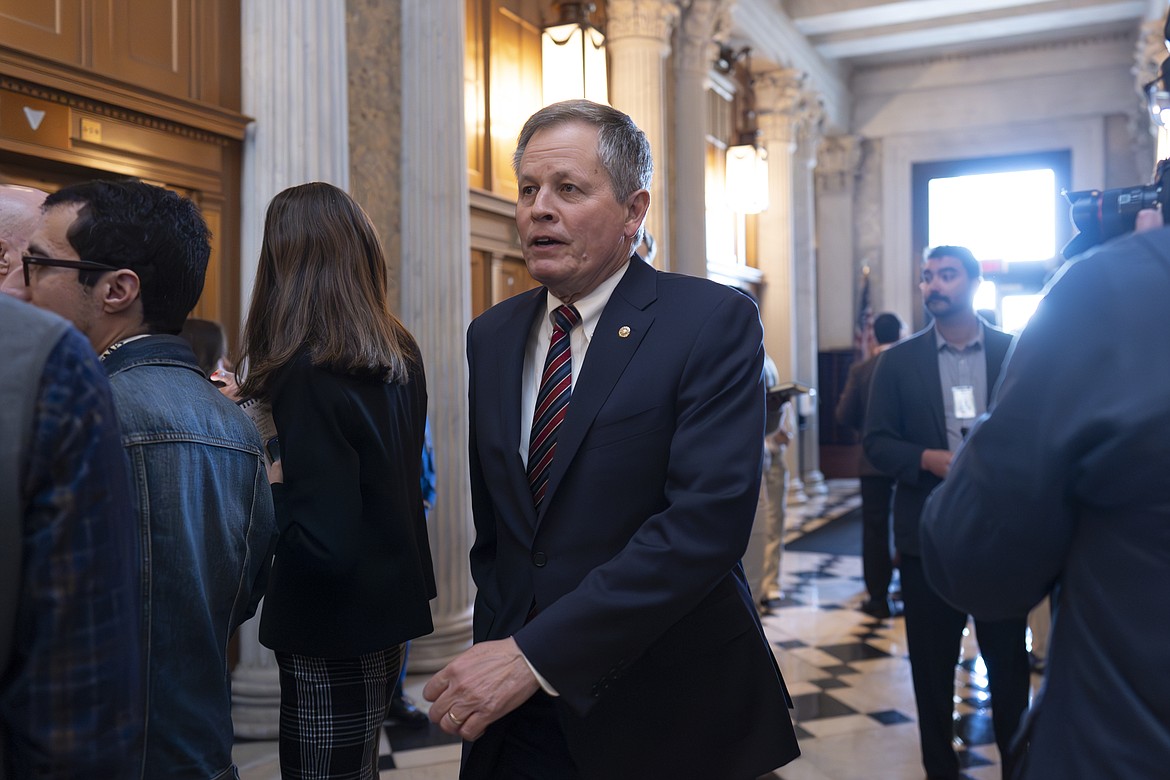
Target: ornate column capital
(780, 96)
(838, 162)
(810, 121)
(640, 19)
(698, 25)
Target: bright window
(1008, 211)
(1001, 217)
(1017, 310)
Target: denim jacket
(207, 528)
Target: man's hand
(937, 462)
(479, 687)
(1147, 219)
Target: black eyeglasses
(80, 265)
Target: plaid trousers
(331, 711)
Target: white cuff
(544, 684)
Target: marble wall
(373, 32)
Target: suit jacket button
(539, 559)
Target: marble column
(695, 49)
(436, 295)
(838, 167)
(300, 133)
(778, 95)
(810, 116)
(638, 41)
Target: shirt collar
(591, 305)
(940, 343)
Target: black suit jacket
(352, 570)
(644, 623)
(905, 416)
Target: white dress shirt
(589, 307)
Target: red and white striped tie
(552, 401)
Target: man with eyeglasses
(20, 210)
(125, 262)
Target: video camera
(1102, 215)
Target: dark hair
(156, 233)
(321, 285)
(887, 328)
(623, 148)
(960, 253)
(208, 341)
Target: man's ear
(636, 207)
(120, 289)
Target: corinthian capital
(779, 92)
(698, 23)
(640, 19)
(838, 162)
(780, 99)
(810, 118)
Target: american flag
(862, 332)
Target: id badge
(964, 398)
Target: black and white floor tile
(847, 672)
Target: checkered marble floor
(847, 672)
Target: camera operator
(1063, 487)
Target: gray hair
(622, 147)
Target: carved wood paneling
(46, 28)
(143, 88)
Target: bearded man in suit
(925, 395)
(616, 419)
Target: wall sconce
(573, 57)
(747, 178)
(747, 162)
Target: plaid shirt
(71, 705)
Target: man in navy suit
(615, 633)
(926, 393)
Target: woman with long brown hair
(352, 574)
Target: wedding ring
(454, 720)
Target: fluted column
(436, 295)
(810, 116)
(638, 41)
(694, 51)
(838, 168)
(300, 133)
(778, 96)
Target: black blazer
(905, 416)
(352, 572)
(644, 622)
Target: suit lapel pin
(624, 332)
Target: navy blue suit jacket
(644, 622)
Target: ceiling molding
(984, 30)
(900, 13)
